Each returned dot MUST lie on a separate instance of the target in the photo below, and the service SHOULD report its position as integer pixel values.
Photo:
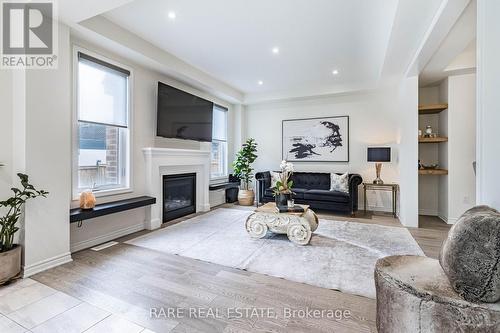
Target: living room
(222, 166)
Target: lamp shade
(379, 154)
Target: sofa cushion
(339, 182)
(299, 193)
(311, 180)
(326, 195)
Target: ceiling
(456, 54)
(232, 41)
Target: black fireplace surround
(179, 195)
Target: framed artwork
(316, 139)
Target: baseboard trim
(78, 246)
(46, 264)
(448, 220)
(152, 224)
(203, 208)
(376, 209)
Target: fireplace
(179, 195)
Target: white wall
(444, 129)
(488, 108)
(6, 133)
(462, 144)
(407, 101)
(144, 86)
(373, 119)
(47, 161)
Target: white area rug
(341, 255)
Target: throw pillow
(339, 182)
(471, 253)
(275, 176)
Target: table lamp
(378, 155)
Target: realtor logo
(28, 34)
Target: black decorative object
(316, 139)
(294, 209)
(282, 199)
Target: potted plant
(242, 167)
(10, 253)
(282, 190)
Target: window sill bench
(77, 215)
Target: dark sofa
(313, 188)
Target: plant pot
(282, 199)
(10, 264)
(245, 197)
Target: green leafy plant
(242, 165)
(284, 185)
(14, 205)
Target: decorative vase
(10, 264)
(87, 200)
(246, 197)
(282, 199)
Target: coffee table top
(270, 207)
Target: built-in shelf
(78, 214)
(225, 185)
(432, 108)
(432, 140)
(436, 172)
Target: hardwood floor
(128, 281)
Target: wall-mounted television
(182, 115)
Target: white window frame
(75, 134)
(226, 167)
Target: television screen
(182, 115)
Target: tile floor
(29, 306)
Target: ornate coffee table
(297, 226)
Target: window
(218, 165)
(102, 103)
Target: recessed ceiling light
(276, 50)
(260, 83)
(172, 15)
(335, 72)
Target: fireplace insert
(179, 195)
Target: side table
(383, 187)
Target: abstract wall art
(316, 139)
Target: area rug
(341, 254)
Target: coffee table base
(298, 228)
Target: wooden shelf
(436, 172)
(431, 108)
(432, 140)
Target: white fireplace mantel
(170, 161)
